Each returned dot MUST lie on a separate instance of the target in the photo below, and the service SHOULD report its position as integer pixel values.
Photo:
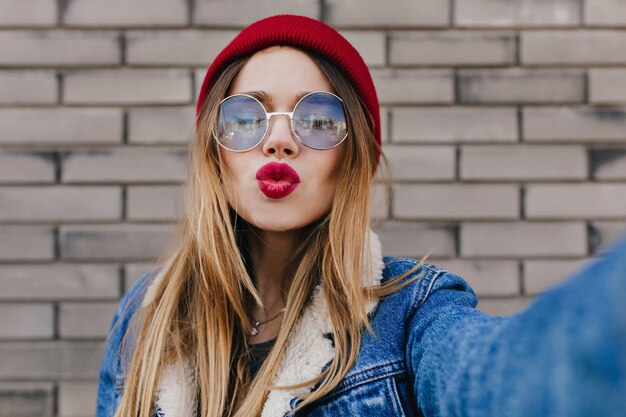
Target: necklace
(255, 328)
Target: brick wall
(505, 122)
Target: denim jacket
(434, 354)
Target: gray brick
(114, 241)
(579, 123)
(379, 202)
(188, 47)
(606, 233)
(516, 13)
(126, 164)
(582, 47)
(20, 166)
(454, 124)
(607, 85)
(521, 85)
(452, 48)
(156, 125)
(134, 271)
(26, 321)
(576, 201)
(414, 86)
(608, 163)
(524, 239)
(416, 239)
(541, 275)
(128, 86)
(60, 203)
(605, 12)
(370, 44)
(26, 242)
(503, 306)
(56, 282)
(456, 201)
(85, 320)
(384, 124)
(155, 202)
(58, 47)
(60, 126)
(50, 359)
(422, 162)
(487, 278)
(117, 13)
(26, 399)
(523, 162)
(77, 398)
(28, 87)
(392, 13)
(31, 13)
(198, 76)
(216, 13)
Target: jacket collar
(308, 351)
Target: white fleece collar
(306, 354)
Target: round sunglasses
(318, 120)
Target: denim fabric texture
(434, 354)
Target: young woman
(275, 298)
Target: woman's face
(283, 74)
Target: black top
(258, 353)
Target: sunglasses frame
(268, 116)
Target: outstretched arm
(565, 355)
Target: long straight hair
(200, 303)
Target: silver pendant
(255, 329)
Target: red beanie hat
(308, 34)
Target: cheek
(331, 167)
(335, 163)
(231, 170)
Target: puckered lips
(277, 180)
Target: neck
(272, 267)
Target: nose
(280, 140)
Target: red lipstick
(277, 180)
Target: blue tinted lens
(319, 120)
(241, 123)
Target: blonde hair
(199, 310)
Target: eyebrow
(260, 95)
(265, 97)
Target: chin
(271, 225)
(281, 218)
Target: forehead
(278, 70)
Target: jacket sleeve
(110, 378)
(564, 355)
